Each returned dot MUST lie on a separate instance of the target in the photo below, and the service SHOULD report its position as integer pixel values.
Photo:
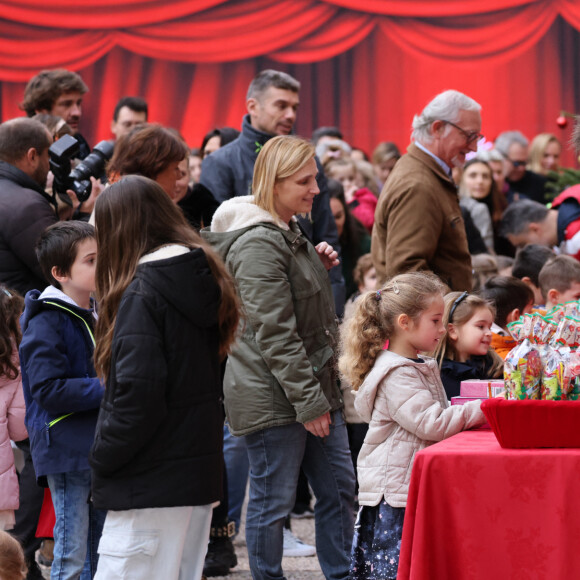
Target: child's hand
(327, 255)
(320, 427)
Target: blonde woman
(280, 386)
(544, 155)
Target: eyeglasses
(456, 304)
(470, 137)
(517, 163)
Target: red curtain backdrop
(366, 66)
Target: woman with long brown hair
(168, 315)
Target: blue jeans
(78, 526)
(238, 468)
(275, 457)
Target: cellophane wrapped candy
(545, 363)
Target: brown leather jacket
(418, 223)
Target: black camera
(78, 180)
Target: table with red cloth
(478, 511)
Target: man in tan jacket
(418, 223)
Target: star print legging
(377, 542)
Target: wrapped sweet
(523, 371)
(555, 381)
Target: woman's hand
(320, 427)
(327, 255)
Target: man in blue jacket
(272, 103)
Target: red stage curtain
(365, 65)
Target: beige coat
(405, 405)
(418, 223)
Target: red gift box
(533, 424)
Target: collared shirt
(444, 165)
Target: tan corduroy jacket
(418, 223)
(405, 405)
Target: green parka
(281, 368)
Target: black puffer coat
(158, 441)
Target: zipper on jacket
(77, 315)
(51, 424)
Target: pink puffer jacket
(12, 412)
(405, 405)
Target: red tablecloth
(477, 511)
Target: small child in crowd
(528, 262)
(464, 353)
(401, 395)
(361, 201)
(559, 281)
(11, 403)
(12, 562)
(365, 278)
(62, 392)
(511, 298)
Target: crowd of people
(289, 312)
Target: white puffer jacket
(405, 405)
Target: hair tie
(378, 295)
(7, 293)
(395, 288)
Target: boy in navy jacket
(62, 392)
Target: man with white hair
(418, 222)
(523, 183)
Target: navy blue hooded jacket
(61, 391)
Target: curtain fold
(72, 35)
(366, 66)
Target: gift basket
(542, 382)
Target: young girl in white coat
(399, 393)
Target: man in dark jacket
(25, 209)
(272, 103)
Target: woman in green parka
(280, 385)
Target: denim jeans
(238, 468)
(78, 526)
(275, 457)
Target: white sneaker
(293, 546)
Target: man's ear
(32, 156)
(513, 315)
(437, 127)
(251, 106)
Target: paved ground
(294, 568)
